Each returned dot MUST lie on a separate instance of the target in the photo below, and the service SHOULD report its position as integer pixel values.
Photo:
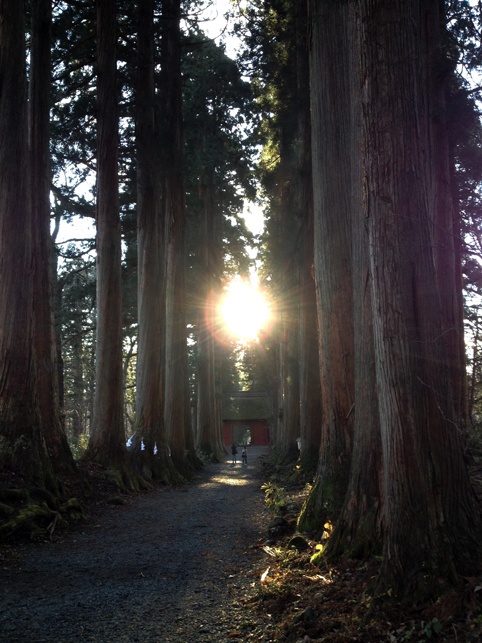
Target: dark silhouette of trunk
(44, 330)
(445, 230)
(151, 256)
(57, 288)
(208, 424)
(309, 362)
(177, 413)
(432, 518)
(23, 445)
(289, 393)
(287, 446)
(77, 388)
(107, 441)
(332, 148)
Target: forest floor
(203, 563)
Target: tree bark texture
(431, 515)
(107, 441)
(445, 235)
(332, 145)
(151, 250)
(175, 221)
(20, 421)
(39, 135)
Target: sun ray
(244, 310)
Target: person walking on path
(244, 455)
(234, 452)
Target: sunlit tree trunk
(107, 441)
(45, 346)
(23, 445)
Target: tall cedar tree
(432, 518)
(39, 134)
(107, 441)
(208, 424)
(177, 411)
(334, 152)
(20, 420)
(151, 256)
(420, 500)
(358, 529)
(309, 364)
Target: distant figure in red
(234, 452)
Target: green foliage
(79, 446)
(432, 627)
(275, 497)
(477, 620)
(275, 590)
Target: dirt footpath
(169, 566)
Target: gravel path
(169, 566)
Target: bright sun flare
(244, 310)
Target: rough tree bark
(23, 446)
(44, 329)
(445, 230)
(174, 214)
(107, 441)
(151, 256)
(332, 147)
(432, 518)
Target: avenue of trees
(354, 122)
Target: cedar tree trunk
(432, 519)
(22, 442)
(332, 148)
(107, 441)
(39, 132)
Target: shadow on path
(171, 565)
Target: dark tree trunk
(289, 394)
(151, 257)
(20, 420)
(432, 518)
(39, 132)
(174, 213)
(309, 366)
(445, 233)
(332, 145)
(209, 427)
(287, 446)
(107, 441)
(57, 307)
(77, 391)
